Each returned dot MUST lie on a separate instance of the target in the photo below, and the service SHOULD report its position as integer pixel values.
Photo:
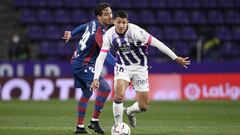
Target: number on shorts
(120, 69)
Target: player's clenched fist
(67, 36)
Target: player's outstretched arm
(68, 34)
(162, 47)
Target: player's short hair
(122, 14)
(99, 8)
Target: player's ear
(99, 17)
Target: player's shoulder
(133, 26)
(110, 31)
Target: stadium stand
(178, 22)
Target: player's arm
(148, 39)
(99, 62)
(68, 34)
(162, 47)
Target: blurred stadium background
(35, 61)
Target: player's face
(106, 17)
(121, 25)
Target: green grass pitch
(163, 118)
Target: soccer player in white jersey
(131, 43)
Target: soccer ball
(120, 129)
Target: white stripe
(144, 56)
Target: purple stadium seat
(21, 3)
(232, 17)
(174, 3)
(198, 17)
(63, 49)
(54, 3)
(237, 4)
(111, 2)
(229, 49)
(171, 33)
(188, 33)
(215, 17)
(61, 16)
(123, 3)
(133, 16)
(79, 16)
(182, 48)
(90, 4)
(72, 3)
(45, 48)
(225, 3)
(191, 3)
(147, 17)
(28, 16)
(37, 3)
(142, 4)
(67, 28)
(53, 32)
(158, 3)
(44, 16)
(181, 17)
(236, 33)
(208, 3)
(223, 33)
(35, 32)
(156, 32)
(164, 17)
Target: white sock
(118, 112)
(81, 126)
(133, 108)
(94, 119)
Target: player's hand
(67, 36)
(183, 61)
(95, 85)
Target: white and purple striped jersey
(131, 47)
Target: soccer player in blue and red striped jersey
(83, 62)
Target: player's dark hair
(99, 8)
(122, 14)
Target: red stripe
(104, 50)
(103, 94)
(81, 109)
(80, 120)
(96, 114)
(88, 58)
(85, 100)
(99, 37)
(97, 103)
(149, 40)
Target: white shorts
(137, 74)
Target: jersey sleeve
(78, 29)
(142, 36)
(102, 56)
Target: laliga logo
(194, 91)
